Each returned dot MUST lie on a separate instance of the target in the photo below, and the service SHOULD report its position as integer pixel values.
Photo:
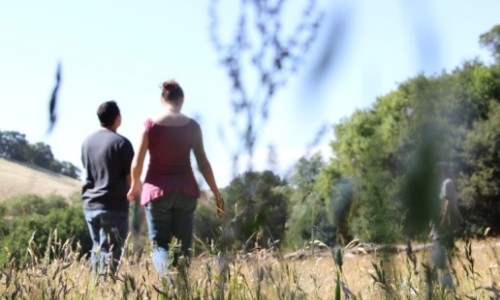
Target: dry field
(59, 273)
(18, 178)
(318, 274)
(261, 275)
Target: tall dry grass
(60, 273)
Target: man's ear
(118, 121)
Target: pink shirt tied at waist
(169, 168)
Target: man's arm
(446, 204)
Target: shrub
(257, 205)
(68, 222)
(29, 204)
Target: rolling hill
(16, 178)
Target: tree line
(382, 182)
(389, 153)
(14, 146)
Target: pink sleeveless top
(169, 169)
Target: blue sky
(123, 50)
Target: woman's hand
(220, 206)
(134, 191)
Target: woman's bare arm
(137, 166)
(206, 169)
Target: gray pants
(169, 216)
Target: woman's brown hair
(172, 91)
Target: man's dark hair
(107, 113)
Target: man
(450, 217)
(106, 157)
(443, 233)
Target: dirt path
(359, 248)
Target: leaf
(53, 101)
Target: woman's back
(170, 164)
(169, 139)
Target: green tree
(480, 183)
(257, 204)
(309, 218)
(70, 170)
(13, 145)
(42, 155)
(358, 183)
(491, 40)
(389, 152)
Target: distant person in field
(107, 157)
(170, 191)
(450, 217)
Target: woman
(170, 191)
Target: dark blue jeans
(108, 231)
(170, 216)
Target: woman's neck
(172, 109)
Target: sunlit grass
(264, 274)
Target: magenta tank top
(169, 169)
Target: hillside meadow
(356, 271)
(18, 178)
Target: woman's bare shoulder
(172, 120)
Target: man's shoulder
(448, 182)
(114, 136)
(103, 137)
(124, 140)
(92, 137)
